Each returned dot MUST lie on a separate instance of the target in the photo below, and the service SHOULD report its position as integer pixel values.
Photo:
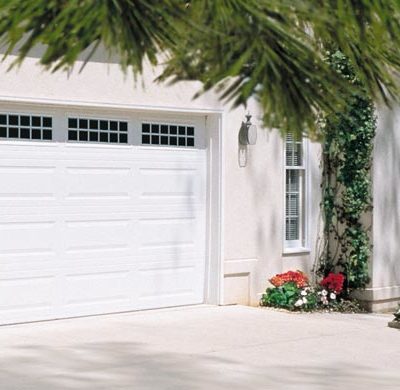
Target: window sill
(295, 251)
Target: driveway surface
(203, 347)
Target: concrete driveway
(203, 347)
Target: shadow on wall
(134, 366)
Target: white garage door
(100, 214)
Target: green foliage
(288, 296)
(264, 49)
(132, 30)
(397, 314)
(284, 296)
(272, 50)
(347, 151)
(347, 306)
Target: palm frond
(270, 50)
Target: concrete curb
(394, 324)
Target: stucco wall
(384, 289)
(99, 83)
(254, 210)
(253, 177)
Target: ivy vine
(346, 186)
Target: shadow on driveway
(133, 366)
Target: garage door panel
(156, 232)
(121, 209)
(169, 154)
(89, 286)
(91, 181)
(28, 187)
(27, 238)
(30, 259)
(171, 182)
(33, 149)
(166, 282)
(25, 167)
(89, 188)
(27, 242)
(91, 235)
(26, 296)
(28, 182)
(105, 153)
(99, 228)
(180, 251)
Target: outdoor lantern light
(248, 132)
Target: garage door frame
(215, 158)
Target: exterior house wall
(254, 211)
(384, 290)
(252, 199)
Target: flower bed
(293, 291)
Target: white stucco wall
(254, 210)
(253, 195)
(384, 288)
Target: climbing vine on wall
(346, 187)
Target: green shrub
(348, 138)
(290, 297)
(283, 296)
(397, 314)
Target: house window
(97, 130)
(295, 193)
(29, 127)
(168, 135)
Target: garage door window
(16, 126)
(97, 130)
(168, 135)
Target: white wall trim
(295, 251)
(243, 268)
(215, 239)
(114, 106)
(378, 293)
(308, 194)
(222, 208)
(301, 247)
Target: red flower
(297, 277)
(333, 282)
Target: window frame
(31, 127)
(301, 244)
(168, 135)
(99, 131)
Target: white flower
(299, 303)
(305, 300)
(324, 293)
(325, 301)
(332, 296)
(303, 292)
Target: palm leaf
(270, 50)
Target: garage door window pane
(97, 130)
(26, 127)
(172, 135)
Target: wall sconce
(248, 132)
